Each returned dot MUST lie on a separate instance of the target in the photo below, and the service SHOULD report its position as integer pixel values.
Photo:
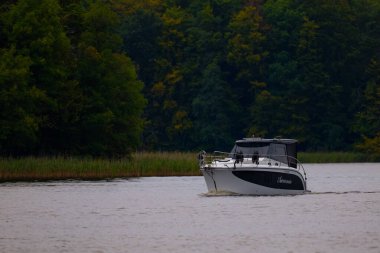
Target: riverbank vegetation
(139, 165)
(103, 78)
(337, 157)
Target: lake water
(172, 214)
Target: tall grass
(337, 157)
(165, 164)
(139, 165)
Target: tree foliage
(76, 91)
(76, 75)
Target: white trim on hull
(224, 180)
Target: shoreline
(144, 164)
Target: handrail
(205, 159)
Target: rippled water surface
(172, 214)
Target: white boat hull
(254, 180)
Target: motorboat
(255, 166)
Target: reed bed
(166, 164)
(144, 164)
(139, 165)
(337, 157)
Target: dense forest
(86, 77)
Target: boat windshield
(248, 150)
(275, 151)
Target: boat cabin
(281, 150)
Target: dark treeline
(107, 77)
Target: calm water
(342, 214)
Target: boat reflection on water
(255, 166)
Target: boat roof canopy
(282, 150)
(250, 141)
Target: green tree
(19, 124)
(111, 122)
(245, 44)
(214, 111)
(318, 53)
(343, 44)
(245, 54)
(367, 123)
(368, 118)
(140, 31)
(279, 105)
(34, 30)
(168, 79)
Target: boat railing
(219, 156)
